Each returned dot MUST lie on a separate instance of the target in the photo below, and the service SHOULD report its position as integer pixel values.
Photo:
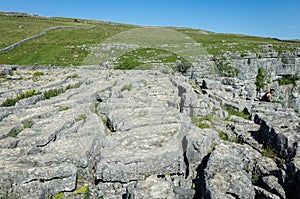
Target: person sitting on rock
(267, 97)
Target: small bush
(226, 70)
(289, 79)
(261, 73)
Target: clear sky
(269, 18)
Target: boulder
(228, 172)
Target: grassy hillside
(217, 44)
(59, 47)
(70, 46)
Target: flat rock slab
(146, 128)
(115, 127)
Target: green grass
(15, 131)
(289, 79)
(12, 101)
(64, 108)
(127, 87)
(218, 43)
(74, 76)
(59, 195)
(200, 121)
(67, 47)
(6, 195)
(81, 190)
(244, 114)
(37, 74)
(226, 70)
(55, 92)
(14, 29)
(223, 136)
(80, 117)
(133, 59)
(254, 178)
(261, 73)
(268, 152)
(62, 47)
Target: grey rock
(266, 166)
(281, 134)
(129, 134)
(228, 172)
(153, 187)
(271, 182)
(197, 144)
(261, 193)
(181, 193)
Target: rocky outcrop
(142, 134)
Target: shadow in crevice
(199, 181)
(257, 135)
(184, 143)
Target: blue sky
(269, 18)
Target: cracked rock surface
(97, 133)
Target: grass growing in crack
(59, 195)
(80, 117)
(289, 79)
(96, 105)
(254, 178)
(37, 74)
(223, 136)
(74, 76)
(268, 152)
(244, 114)
(12, 101)
(201, 122)
(127, 87)
(64, 108)
(15, 131)
(55, 92)
(83, 190)
(6, 195)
